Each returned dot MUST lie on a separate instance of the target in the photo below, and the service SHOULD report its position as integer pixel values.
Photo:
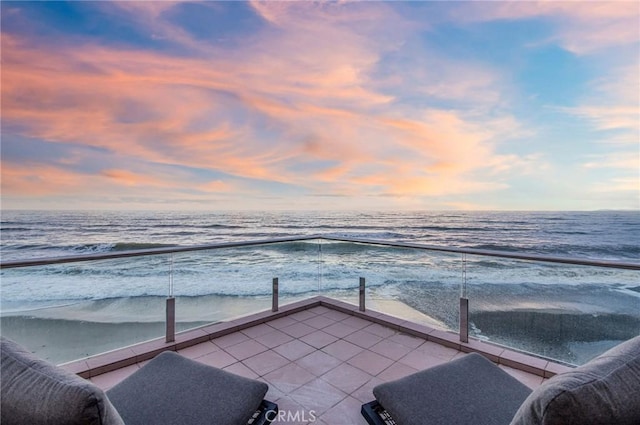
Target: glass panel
(412, 284)
(562, 312)
(222, 284)
(68, 311)
(297, 265)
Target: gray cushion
(35, 392)
(469, 390)
(604, 391)
(172, 389)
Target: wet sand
(73, 331)
(65, 333)
(60, 341)
(570, 324)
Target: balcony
(320, 334)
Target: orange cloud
(41, 181)
(216, 186)
(137, 111)
(258, 112)
(128, 178)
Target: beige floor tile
(363, 339)
(301, 316)
(340, 329)
(436, 350)
(319, 322)
(318, 395)
(336, 315)
(321, 360)
(342, 349)
(318, 339)
(320, 310)
(246, 349)
(347, 412)
(390, 349)
(346, 377)
(258, 330)
(219, 359)
(294, 350)
(282, 322)
(289, 377)
(292, 413)
(266, 362)
(109, 379)
(420, 361)
(274, 339)
(298, 329)
(318, 362)
(365, 393)
(356, 322)
(231, 339)
(396, 371)
(370, 362)
(240, 369)
(407, 340)
(199, 350)
(381, 331)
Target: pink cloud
(128, 178)
(27, 181)
(613, 104)
(582, 27)
(213, 111)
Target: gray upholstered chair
(474, 391)
(170, 389)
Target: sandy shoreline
(86, 328)
(60, 341)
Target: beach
(66, 333)
(549, 323)
(565, 312)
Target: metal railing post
(170, 308)
(464, 303)
(464, 319)
(171, 320)
(274, 295)
(362, 307)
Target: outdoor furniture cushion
(469, 390)
(605, 390)
(36, 392)
(172, 389)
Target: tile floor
(320, 364)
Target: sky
(421, 105)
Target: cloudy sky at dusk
(300, 105)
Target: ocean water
(598, 235)
(506, 296)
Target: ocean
(577, 310)
(611, 235)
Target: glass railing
(565, 309)
(410, 283)
(71, 310)
(565, 312)
(222, 284)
